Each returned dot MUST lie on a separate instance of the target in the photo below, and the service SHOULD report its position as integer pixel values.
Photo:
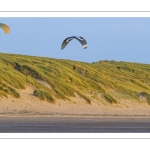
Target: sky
(112, 38)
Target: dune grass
(19, 71)
(43, 95)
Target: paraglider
(79, 38)
(5, 28)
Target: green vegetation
(43, 95)
(84, 97)
(110, 99)
(5, 89)
(124, 78)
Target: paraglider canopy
(79, 38)
(5, 28)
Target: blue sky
(119, 39)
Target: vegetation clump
(5, 89)
(145, 95)
(110, 99)
(43, 95)
(84, 97)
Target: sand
(28, 106)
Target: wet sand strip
(73, 125)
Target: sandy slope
(29, 105)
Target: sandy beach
(29, 106)
(29, 114)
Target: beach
(30, 114)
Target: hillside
(107, 82)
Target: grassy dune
(107, 80)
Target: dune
(38, 86)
